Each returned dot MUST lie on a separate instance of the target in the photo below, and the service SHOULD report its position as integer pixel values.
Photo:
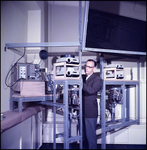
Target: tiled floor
(108, 146)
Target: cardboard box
(30, 88)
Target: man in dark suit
(91, 85)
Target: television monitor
(113, 33)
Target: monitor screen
(109, 32)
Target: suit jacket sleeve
(92, 85)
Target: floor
(108, 146)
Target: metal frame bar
(113, 51)
(44, 44)
(21, 100)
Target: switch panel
(22, 72)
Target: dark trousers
(89, 133)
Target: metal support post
(127, 103)
(66, 127)
(54, 110)
(103, 119)
(103, 106)
(138, 92)
(123, 103)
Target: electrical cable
(11, 69)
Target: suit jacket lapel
(84, 78)
(89, 79)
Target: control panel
(22, 72)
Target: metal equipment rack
(66, 113)
(124, 121)
(124, 84)
(47, 100)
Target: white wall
(131, 9)
(14, 21)
(34, 26)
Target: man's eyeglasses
(88, 66)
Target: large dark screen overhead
(110, 31)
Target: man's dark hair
(95, 63)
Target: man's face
(89, 67)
